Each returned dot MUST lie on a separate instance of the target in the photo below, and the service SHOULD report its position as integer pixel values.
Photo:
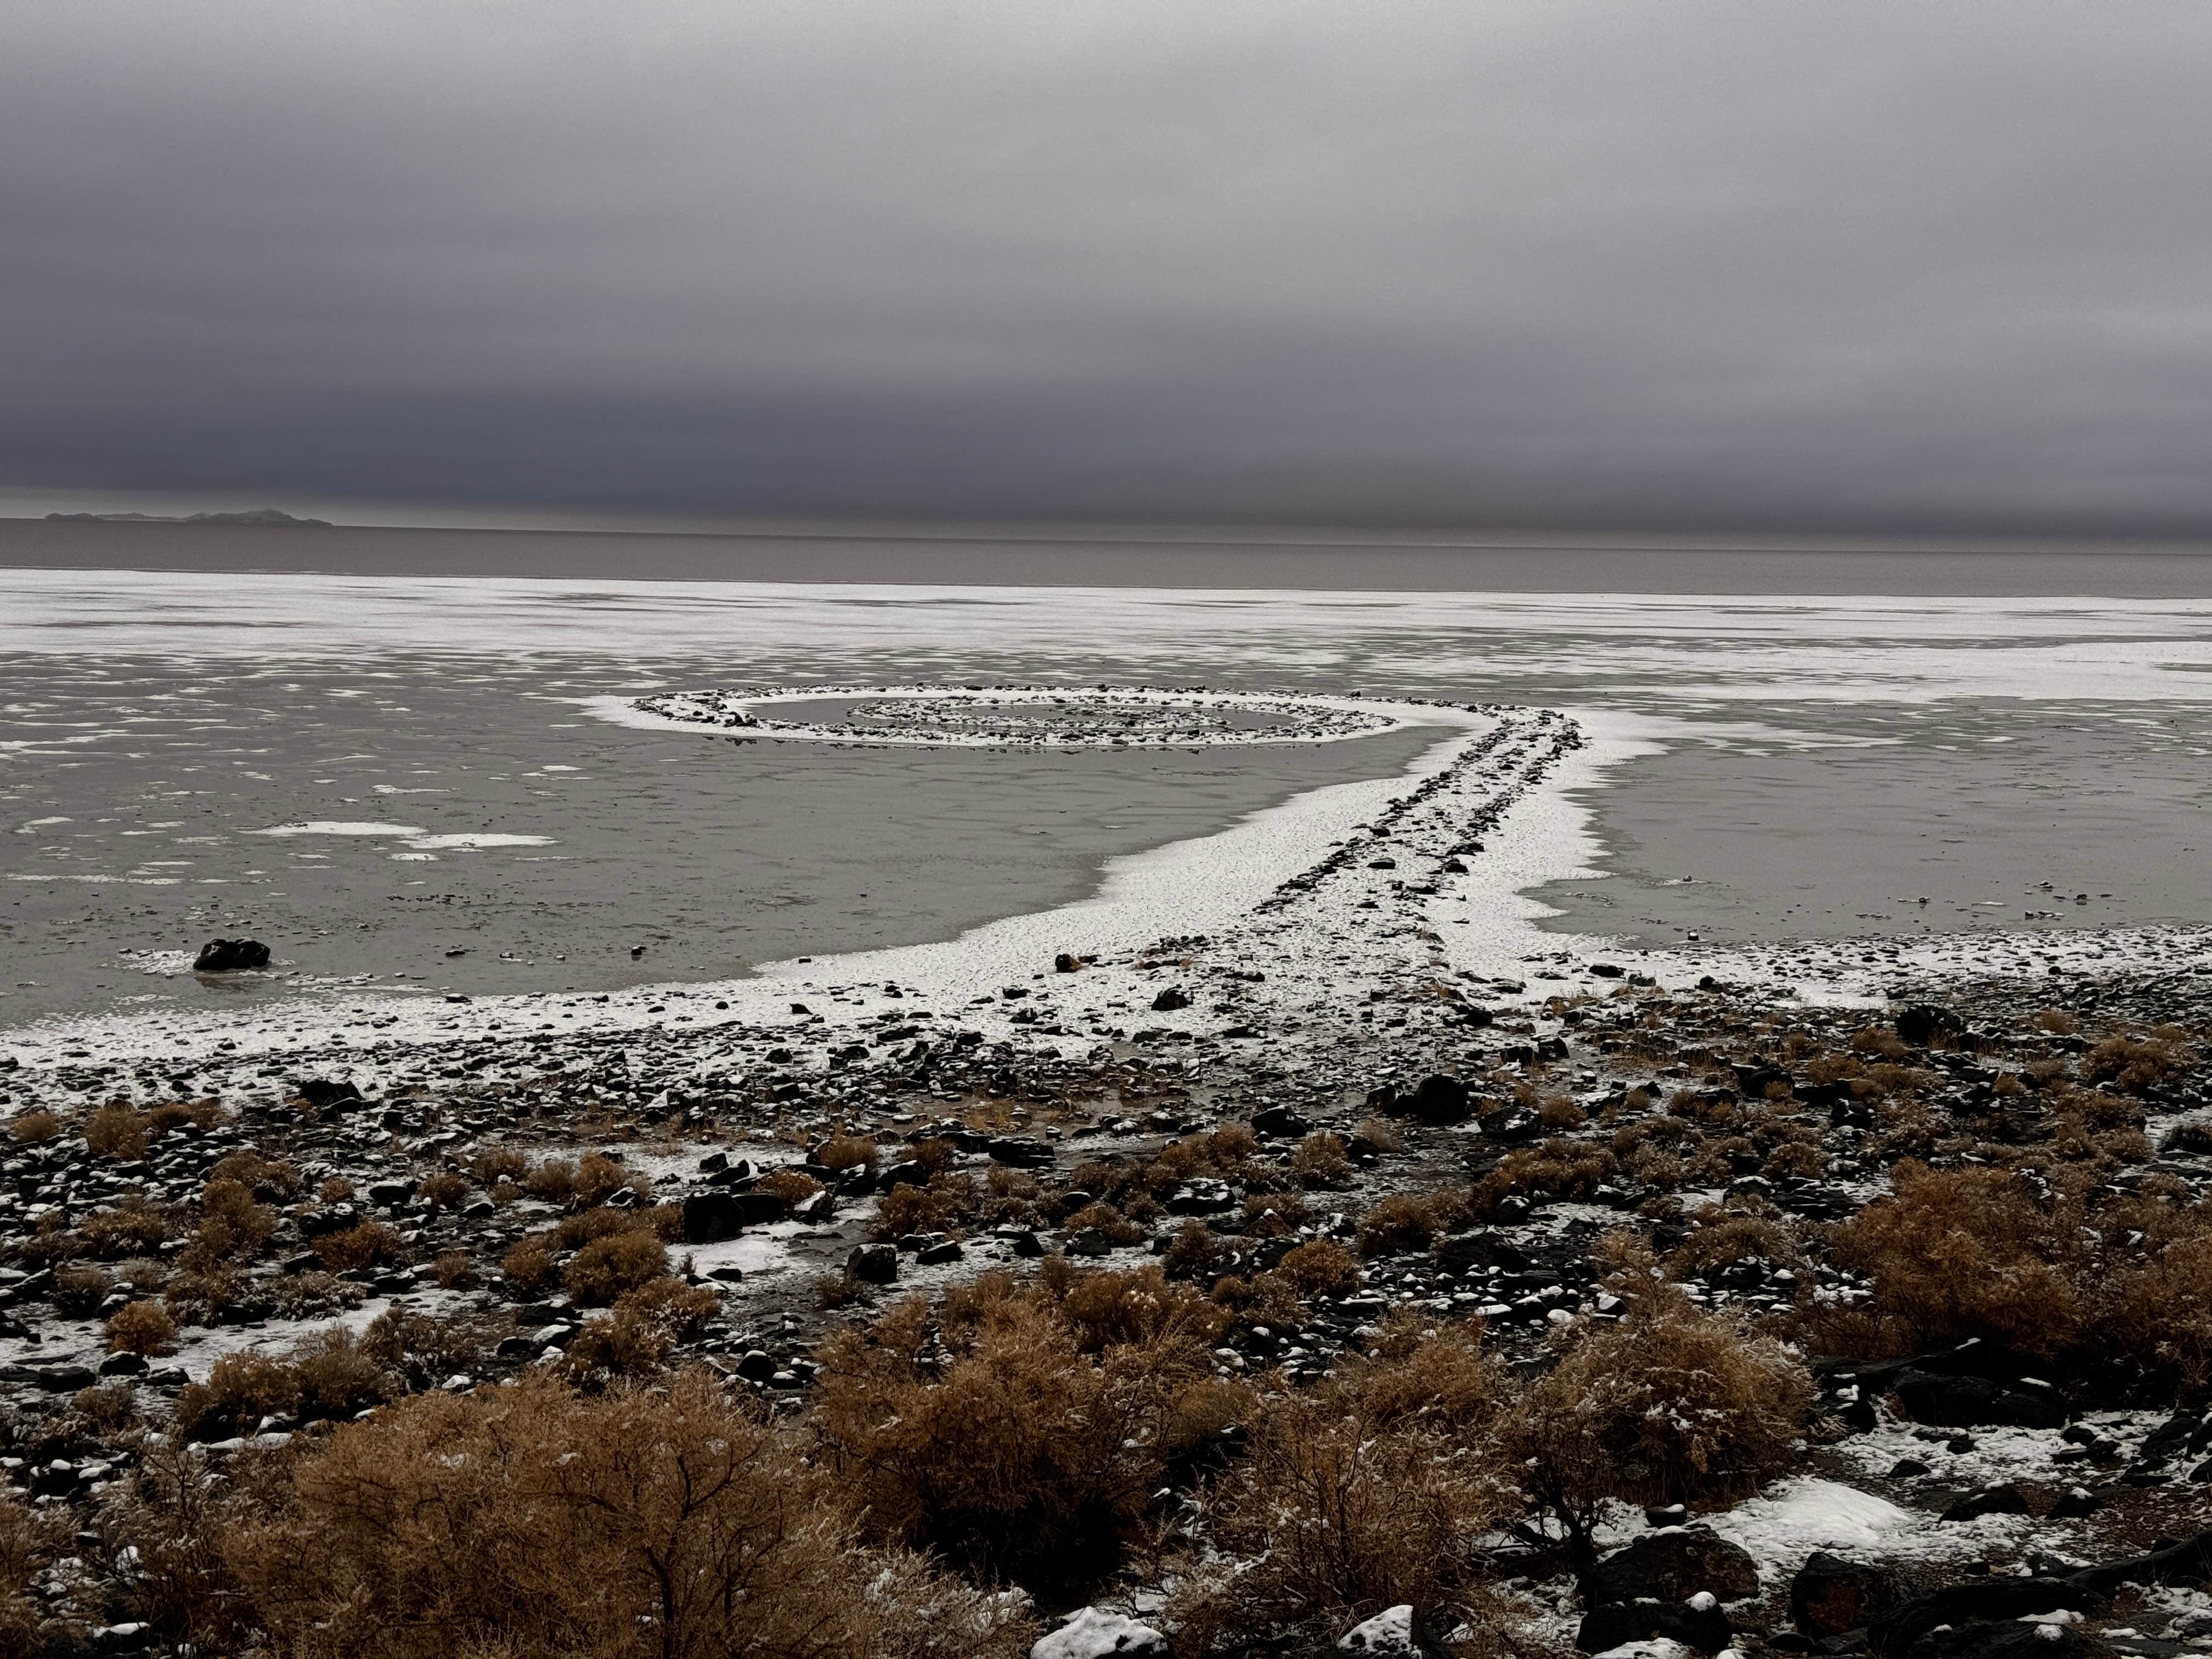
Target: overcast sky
(1834, 266)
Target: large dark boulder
(1994, 1600)
(1966, 1403)
(873, 1264)
(1830, 1594)
(2006, 1639)
(1609, 1623)
(1923, 1022)
(1674, 1566)
(230, 955)
(710, 1218)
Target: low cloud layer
(1854, 267)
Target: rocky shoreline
(1464, 1160)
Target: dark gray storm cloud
(1773, 266)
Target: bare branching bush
(532, 1519)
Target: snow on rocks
(1095, 1633)
(1390, 1630)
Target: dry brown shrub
(1667, 1406)
(142, 1328)
(529, 1266)
(338, 1376)
(1366, 1492)
(359, 1246)
(794, 1187)
(134, 1227)
(1408, 1221)
(532, 1519)
(1879, 1040)
(599, 1178)
(684, 1309)
(493, 1164)
(582, 1226)
(1107, 1221)
(1226, 1151)
(624, 1344)
(607, 1267)
(454, 1271)
(169, 1117)
(1379, 1133)
(1275, 1215)
(554, 1180)
(78, 1292)
(108, 1408)
(932, 1209)
(1557, 1169)
(446, 1190)
(2157, 1317)
(198, 1293)
(846, 1152)
(117, 1131)
(2138, 1065)
(36, 1125)
(29, 1543)
(240, 1391)
(1194, 1253)
(2057, 1021)
(231, 1224)
(1024, 1457)
(1736, 1232)
(258, 1174)
(1964, 1253)
(1561, 1112)
(1320, 1160)
(1321, 1268)
(936, 1154)
(1137, 1309)
(335, 1189)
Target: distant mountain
(259, 515)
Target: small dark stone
(710, 1218)
(2005, 1499)
(1171, 999)
(1831, 1594)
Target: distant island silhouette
(258, 515)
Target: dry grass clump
(1557, 1169)
(934, 1208)
(232, 1225)
(142, 1328)
(1020, 1435)
(842, 1152)
(493, 1164)
(267, 1179)
(609, 1266)
(2157, 1318)
(533, 1519)
(1667, 1406)
(2139, 1065)
(117, 1131)
(683, 1309)
(1964, 1253)
(1320, 1268)
(794, 1187)
(327, 1376)
(530, 1265)
(624, 1344)
(29, 1543)
(36, 1125)
(1106, 1221)
(599, 1178)
(1195, 1252)
(79, 1290)
(1319, 1160)
(446, 1190)
(554, 1180)
(362, 1245)
(1275, 1215)
(453, 1270)
(1738, 1230)
(135, 1226)
(1368, 1492)
(1405, 1222)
